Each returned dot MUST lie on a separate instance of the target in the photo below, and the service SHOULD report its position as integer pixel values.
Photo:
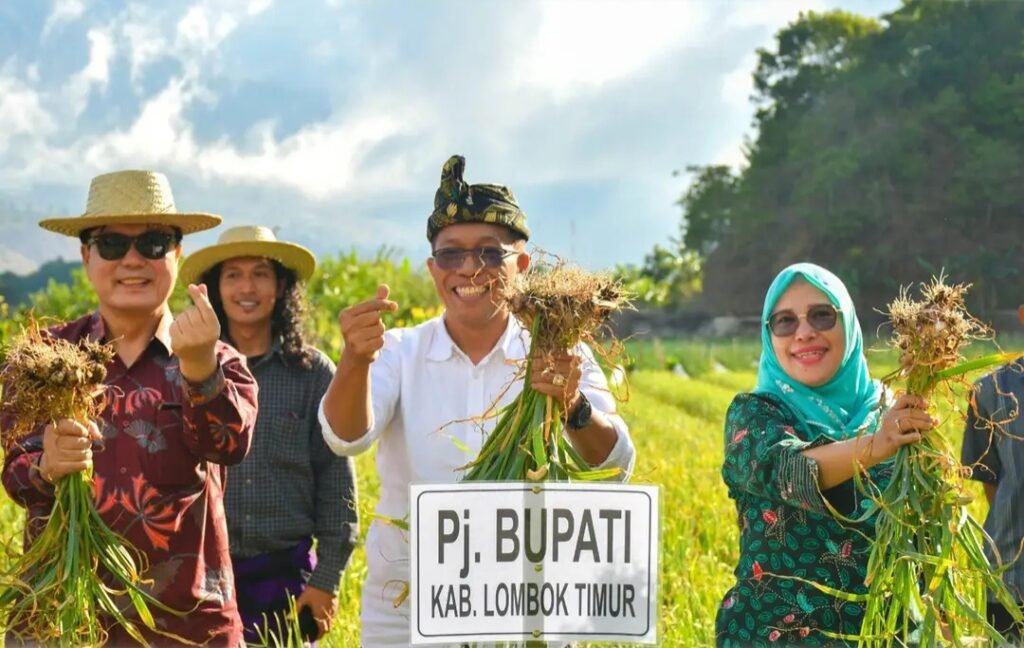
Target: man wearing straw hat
(181, 407)
(402, 386)
(291, 488)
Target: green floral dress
(787, 530)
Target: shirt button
(248, 482)
(123, 470)
(248, 517)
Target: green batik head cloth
(458, 202)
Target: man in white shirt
(420, 391)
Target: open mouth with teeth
(810, 356)
(471, 292)
(134, 282)
(247, 305)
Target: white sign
(549, 562)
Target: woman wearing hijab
(791, 447)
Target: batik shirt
(789, 533)
(159, 477)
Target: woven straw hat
(248, 241)
(128, 198)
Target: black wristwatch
(580, 416)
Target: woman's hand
(902, 424)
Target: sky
(330, 120)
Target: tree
(881, 148)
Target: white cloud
(145, 42)
(319, 161)
(202, 29)
(64, 11)
(95, 73)
(738, 85)
(582, 43)
(21, 112)
(771, 13)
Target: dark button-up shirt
(159, 478)
(291, 486)
(993, 448)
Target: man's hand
(194, 336)
(558, 376)
(323, 605)
(67, 448)
(362, 328)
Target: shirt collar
(442, 346)
(96, 330)
(276, 351)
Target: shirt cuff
(327, 574)
(201, 393)
(623, 454)
(338, 445)
(35, 477)
(801, 479)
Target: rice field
(678, 395)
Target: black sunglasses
(152, 244)
(822, 317)
(453, 258)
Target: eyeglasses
(821, 317)
(453, 258)
(152, 244)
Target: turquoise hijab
(846, 403)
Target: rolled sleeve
(764, 456)
(594, 386)
(623, 454)
(385, 384)
(338, 445)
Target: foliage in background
(16, 288)
(339, 281)
(346, 280)
(669, 276)
(884, 149)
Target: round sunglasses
(453, 258)
(151, 244)
(821, 317)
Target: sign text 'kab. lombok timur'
(550, 561)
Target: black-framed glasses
(821, 317)
(152, 244)
(453, 258)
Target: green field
(676, 423)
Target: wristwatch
(580, 416)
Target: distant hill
(15, 288)
(24, 246)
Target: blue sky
(330, 120)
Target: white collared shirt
(427, 399)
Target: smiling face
(249, 288)
(808, 356)
(471, 292)
(133, 284)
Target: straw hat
(129, 198)
(248, 241)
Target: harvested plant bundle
(54, 593)
(927, 573)
(561, 306)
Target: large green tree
(884, 149)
